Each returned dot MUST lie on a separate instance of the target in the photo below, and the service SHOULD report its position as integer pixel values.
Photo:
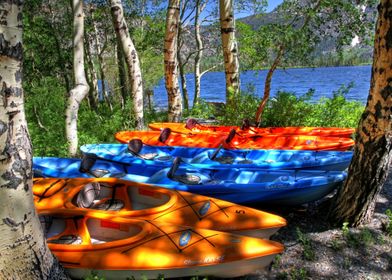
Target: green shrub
(388, 226)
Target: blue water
(324, 80)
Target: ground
(317, 250)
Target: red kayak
(194, 127)
(233, 140)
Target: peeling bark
(79, 92)
(23, 250)
(171, 62)
(230, 50)
(131, 59)
(355, 201)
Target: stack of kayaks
(152, 206)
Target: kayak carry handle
(88, 161)
(191, 123)
(215, 153)
(174, 167)
(165, 133)
(230, 136)
(135, 146)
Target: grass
(308, 252)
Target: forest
(76, 72)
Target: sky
(272, 4)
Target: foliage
(45, 104)
(286, 109)
(308, 252)
(388, 226)
(363, 238)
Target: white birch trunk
(23, 250)
(171, 63)
(199, 53)
(79, 92)
(131, 59)
(230, 49)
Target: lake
(324, 80)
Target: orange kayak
(108, 197)
(119, 248)
(235, 141)
(192, 126)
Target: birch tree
(79, 92)
(355, 202)
(131, 59)
(23, 250)
(171, 63)
(230, 49)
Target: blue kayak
(137, 153)
(286, 187)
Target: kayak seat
(187, 179)
(245, 161)
(91, 197)
(224, 159)
(109, 205)
(67, 239)
(98, 173)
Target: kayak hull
(119, 198)
(118, 248)
(288, 187)
(205, 140)
(226, 270)
(226, 159)
(251, 131)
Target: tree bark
(101, 65)
(171, 63)
(23, 250)
(355, 201)
(131, 59)
(92, 77)
(230, 50)
(267, 85)
(199, 53)
(79, 92)
(122, 74)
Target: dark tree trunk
(355, 201)
(267, 85)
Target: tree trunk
(132, 60)
(79, 92)
(355, 201)
(23, 250)
(122, 74)
(267, 85)
(185, 95)
(230, 49)
(92, 77)
(199, 54)
(171, 63)
(101, 65)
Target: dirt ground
(316, 250)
